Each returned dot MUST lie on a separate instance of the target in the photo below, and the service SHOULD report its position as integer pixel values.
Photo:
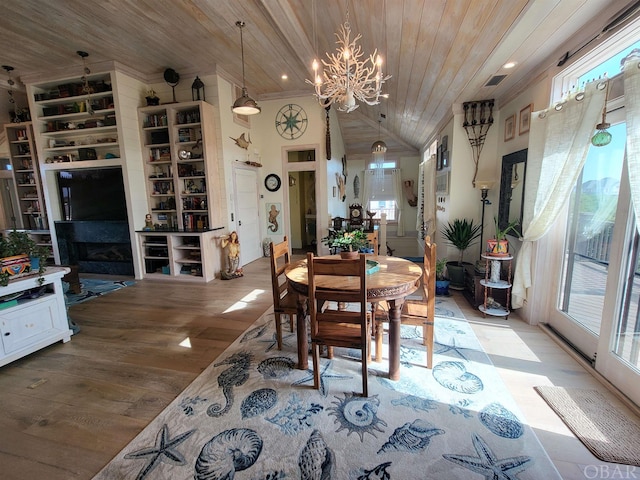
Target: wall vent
(495, 80)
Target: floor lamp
(484, 187)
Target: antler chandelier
(347, 76)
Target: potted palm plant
(462, 233)
(499, 245)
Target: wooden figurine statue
(148, 222)
(231, 244)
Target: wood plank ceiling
(440, 53)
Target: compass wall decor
(291, 121)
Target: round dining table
(391, 280)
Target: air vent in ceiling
(495, 80)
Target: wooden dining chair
(415, 312)
(372, 237)
(284, 302)
(334, 327)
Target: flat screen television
(95, 194)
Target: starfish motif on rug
(488, 464)
(324, 377)
(444, 348)
(273, 341)
(162, 451)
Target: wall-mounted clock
(291, 121)
(272, 182)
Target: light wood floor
(67, 410)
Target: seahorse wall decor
(234, 376)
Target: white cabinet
(33, 323)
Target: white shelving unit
(179, 149)
(493, 281)
(26, 177)
(185, 256)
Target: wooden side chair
(284, 302)
(333, 327)
(373, 241)
(416, 312)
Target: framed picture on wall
(442, 183)
(510, 128)
(525, 119)
(446, 162)
(439, 157)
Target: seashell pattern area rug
(251, 415)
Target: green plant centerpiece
(346, 240)
(19, 247)
(499, 245)
(461, 234)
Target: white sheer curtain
(398, 197)
(367, 187)
(559, 141)
(426, 216)
(632, 111)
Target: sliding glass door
(596, 306)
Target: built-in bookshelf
(76, 126)
(188, 256)
(179, 149)
(30, 213)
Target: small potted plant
(442, 282)
(348, 243)
(19, 253)
(499, 245)
(461, 234)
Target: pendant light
(378, 150)
(602, 137)
(244, 104)
(86, 89)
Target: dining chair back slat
(416, 312)
(332, 323)
(284, 301)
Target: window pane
(627, 339)
(589, 232)
(383, 206)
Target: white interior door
(247, 213)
